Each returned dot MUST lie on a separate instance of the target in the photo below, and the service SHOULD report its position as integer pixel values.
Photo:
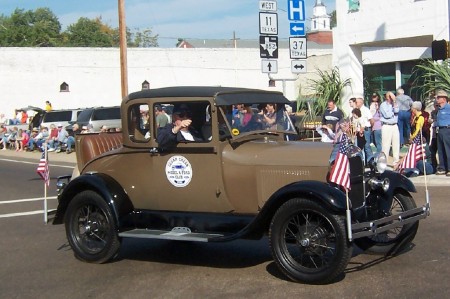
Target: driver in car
(180, 130)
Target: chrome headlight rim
(380, 162)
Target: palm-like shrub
(430, 76)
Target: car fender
(329, 197)
(397, 181)
(109, 189)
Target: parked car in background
(64, 117)
(97, 117)
(35, 115)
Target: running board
(177, 233)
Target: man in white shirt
(366, 121)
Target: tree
(333, 21)
(143, 39)
(39, 28)
(89, 33)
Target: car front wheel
(309, 243)
(91, 229)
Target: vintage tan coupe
(245, 178)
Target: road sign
(297, 47)
(268, 23)
(296, 10)
(268, 46)
(298, 66)
(269, 66)
(297, 29)
(268, 5)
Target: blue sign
(297, 29)
(296, 10)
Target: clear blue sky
(170, 19)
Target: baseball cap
(59, 125)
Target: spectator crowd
(393, 124)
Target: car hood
(278, 153)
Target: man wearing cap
(179, 131)
(62, 137)
(443, 130)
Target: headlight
(379, 162)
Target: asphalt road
(36, 261)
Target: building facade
(382, 40)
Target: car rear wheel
(309, 243)
(91, 229)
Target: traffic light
(439, 50)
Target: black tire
(396, 238)
(91, 229)
(308, 243)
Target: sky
(171, 19)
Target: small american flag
(340, 172)
(414, 154)
(43, 169)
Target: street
(36, 261)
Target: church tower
(320, 20)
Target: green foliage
(430, 76)
(41, 28)
(333, 20)
(88, 33)
(328, 87)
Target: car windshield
(245, 119)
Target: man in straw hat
(443, 129)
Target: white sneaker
(51, 149)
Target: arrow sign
(268, 46)
(298, 66)
(297, 29)
(269, 66)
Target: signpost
(268, 46)
(298, 66)
(268, 23)
(297, 47)
(296, 10)
(268, 6)
(269, 66)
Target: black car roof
(223, 95)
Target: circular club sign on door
(179, 171)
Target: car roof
(222, 95)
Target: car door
(187, 177)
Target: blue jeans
(70, 142)
(404, 125)
(376, 134)
(367, 148)
(443, 143)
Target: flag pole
(45, 187)
(349, 218)
(427, 195)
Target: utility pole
(123, 49)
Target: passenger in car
(179, 131)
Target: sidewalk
(36, 156)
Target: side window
(138, 123)
(168, 116)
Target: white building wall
(30, 76)
(385, 31)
